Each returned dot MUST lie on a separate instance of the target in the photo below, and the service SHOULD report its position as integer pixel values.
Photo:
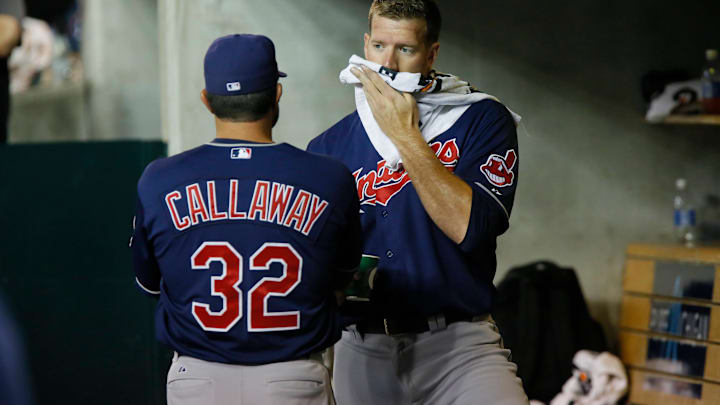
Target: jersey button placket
(388, 253)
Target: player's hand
(396, 113)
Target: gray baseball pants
(193, 381)
(464, 363)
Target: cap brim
(281, 74)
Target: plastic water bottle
(684, 215)
(711, 82)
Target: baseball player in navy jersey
(244, 241)
(433, 222)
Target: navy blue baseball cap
(240, 64)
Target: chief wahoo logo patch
(499, 170)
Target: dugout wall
(66, 273)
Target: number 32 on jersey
(227, 287)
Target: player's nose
(390, 59)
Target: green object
(66, 271)
(362, 283)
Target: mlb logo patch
(234, 86)
(240, 153)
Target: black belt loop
(436, 322)
(357, 331)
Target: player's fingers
(411, 100)
(364, 79)
(385, 89)
(371, 92)
(378, 81)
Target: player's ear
(433, 54)
(278, 93)
(203, 98)
(366, 38)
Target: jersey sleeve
(489, 164)
(316, 145)
(350, 245)
(147, 271)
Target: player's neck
(256, 131)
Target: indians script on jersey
(271, 202)
(380, 185)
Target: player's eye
(406, 49)
(377, 46)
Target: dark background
(66, 271)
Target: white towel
(598, 379)
(441, 100)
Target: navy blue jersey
(244, 244)
(421, 271)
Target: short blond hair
(426, 10)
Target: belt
(415, 324)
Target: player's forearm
(9, 34)
(445, 197)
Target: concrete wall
(120, 98)
(51, 114)
(120, 53)
(594, 176)
(312, 52)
